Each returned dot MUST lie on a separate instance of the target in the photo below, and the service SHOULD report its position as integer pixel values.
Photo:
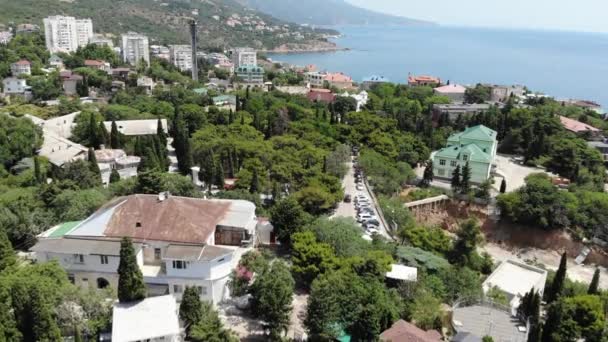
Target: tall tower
(194, 59)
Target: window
(202, 290)
(177, 289)
(85, 280)
(104, 259)
(453, 163)
(180, 264)
(79, 258)
(442, 162)
(71, 278)
(440, 172)
(156, 253)
(465, 157)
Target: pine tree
(503, 186)
(182, 147)
(115, 142)
(465, 183)
(456, 179)
(242, 118)
(190, 309)
(428, 175)
(93, 164)
(595, 283)
(219, 174)
(104, 136)
(238, 103)
(149, 161)
(557, 286)
(160, 132)
(247, 93)
(131, 285)
(93, 134)
(114, 176)
(7, 254)
(254, 187)
(38, 177)
(230, 117)
(77, 334)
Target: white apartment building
(315, 79)
(176, 241)
(181, 56)
(66, 34)
(135, 47)
(244, 56)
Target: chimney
(194, 59)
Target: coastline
(304, 51)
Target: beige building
(66, 34)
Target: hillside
(326, 12)
(222, 23)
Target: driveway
(514, 173)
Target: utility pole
(194, 58)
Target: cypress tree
(230, 117)
(93, 164)
(115, 136)
(93, 134)
(456, 179)
(242, 118)
(207, 174)
(219, 174)
(557, 286)
(465, 183)
(7, 254)
(428, 175)
(247, 93)
(254, 187)
(149, 161)
(595, 283)
(160, 132)
(44, 327)
(131, 285)
(77, 334)
(104, 136)
(191, 308)
(182, 148)
(114, 176)
(324, 115)
(238, 103)
(503, 186)
(37, 173)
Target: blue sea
(560, 64)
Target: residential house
(60, 151)
(137, 127)
(70, 82)
(315, 79)
(321, 95)
(153, 319)
(135, 48)
(476, 145)
(21, 67)
(27, 28)
(56, 62)
(402, 331)
(66, 34)
(580, 128)
(146, 83)
(121, 74)
(176, 240)
(466, 110)
(115, 159)
(423, 80)
(14, 86)
(339, 80)
(251, 74)
(98, 65)
(369, 82)
(585, 104)
(501, 93)
(454, 91)
(224, 100)
(361, 99)
(515, 279)
(601, 146)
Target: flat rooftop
(516, 278)
(481, 320)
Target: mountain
(326, 12)
(222, 23)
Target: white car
(364, 217)
(359, 187)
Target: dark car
(347, 198)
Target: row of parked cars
(364, 206)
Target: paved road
(348, 209)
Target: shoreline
(304, 51)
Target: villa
(476, 145)
(176, 240)
(454, 91)
(423, 80)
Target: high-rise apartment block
(181, 56)
(135, 48)
(66, 34)
(244, 56)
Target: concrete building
(315, 79)
(153, 319)
(423, 80)
(454, 91)
(473, 322)
(321, 95)
(66, 34)
(98, 65)
(21, 67)
(27, 28)
(476, 145)
(70, 82)
(176, 240)
(181, 56)
(338, 80)
(110, 159)
(100, 40)
(580, 128)
(501, 93)
(60, 151)
(135, 48)
(146, 83)
(361, 99)
(137, 127)
(243, 56)
(454, 110)
(251, 74)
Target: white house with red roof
(21, 67)
(423, 80)
(98, 64)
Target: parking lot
(348, 209)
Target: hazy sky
(572, 15)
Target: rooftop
(479, 132)
(71, 245)
(137, 127)
(23, 62)
(451, 89)
(60, 151)
(195, 253)
(338, 77)
(576, 126)
(423, 78)
(516, 279)
(401, 272)
(94, 62)
(483, 320)
(147, 319)
(109, 155)
(402, 331)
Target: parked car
(359, 187)
(372, 222)
(347, 198)
(365, 217)
(372, 231)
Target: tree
(426, 310)
(209, 327)
(160, 132)
(93, 135)
(114, 176)
(131, 285)
(594, 285)
(182, 147)
(503, 186)
(575, 318)
(44, 327)
(465, 247)
(218, 174)
(428, 175)
(104, 136)
(287, 218)
(115, 141)
(191, 308)
(38, 176)
(479, 94)
(271, 299)
(309, 257)
(456, 180)
(487, 339)
(7, 254)
(254, 186)
(93, 165)
(557, 286)
(465, 183)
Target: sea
(557, 63)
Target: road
(348, 209)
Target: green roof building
(477, 145)
(250, 74)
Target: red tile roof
(93, 62)
(576, 126)
(423, 79)
(321, 95)
(23, 62)
(403, 331)
(338, 77)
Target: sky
(566, 15)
